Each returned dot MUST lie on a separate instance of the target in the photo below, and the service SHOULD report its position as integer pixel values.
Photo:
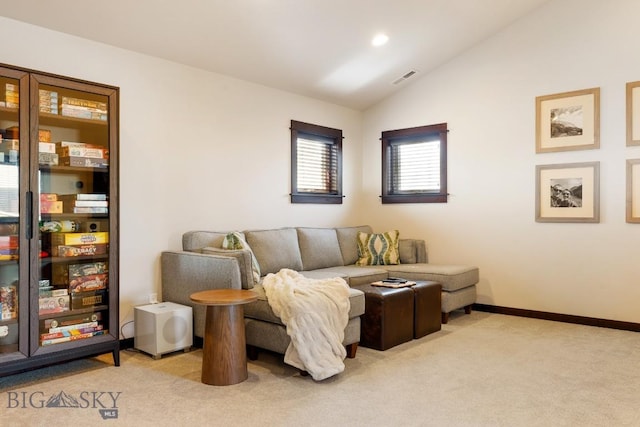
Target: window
(414, 165)
(9, 194)
(316, 164)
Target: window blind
(415, 167)
(317, 165)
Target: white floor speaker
(162, 328)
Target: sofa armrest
(184, 273)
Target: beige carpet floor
(481, 370)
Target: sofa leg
(304, 373)
(252, 352)
(445, 318)
(351, 350)
(467, 309)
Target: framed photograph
(568, 121)
(633, 190)
(568, 192)
(633, 113)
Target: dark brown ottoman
(388, 316)
(427, 305)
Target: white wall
(204, 151)
(197, 150)
(487, 97)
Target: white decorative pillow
(378, 248)
(234, 240)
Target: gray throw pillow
(319, 248)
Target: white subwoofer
(163, 328)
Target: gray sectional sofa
(316, 253)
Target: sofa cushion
(261, 310)
(324, 273)
(451, 277)
(235, 240)
(353, 274)
(378, 248)
(275, 249)
(348, 240)
(319, 248)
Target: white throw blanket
(315, 313)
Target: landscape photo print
(568, 121)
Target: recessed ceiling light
(380, 39)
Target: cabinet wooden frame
(30, 351)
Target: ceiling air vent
(404, 77)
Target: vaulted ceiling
(316, 48)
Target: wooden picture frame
(633, 113)
(568, 121)
(568, 192)
(633, 191)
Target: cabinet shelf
(72, 169)
(73, 259)
(63, 216)
(77, 311)
(9, 110)
(51, 119)
(8, 322)
(57, 120)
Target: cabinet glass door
(14, 258)
(73, 228)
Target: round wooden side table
(224, 353)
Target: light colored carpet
(481, 370)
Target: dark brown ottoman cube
(388, 316)
(427, 303)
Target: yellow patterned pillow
(378, 248)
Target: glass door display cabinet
(58, 219)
